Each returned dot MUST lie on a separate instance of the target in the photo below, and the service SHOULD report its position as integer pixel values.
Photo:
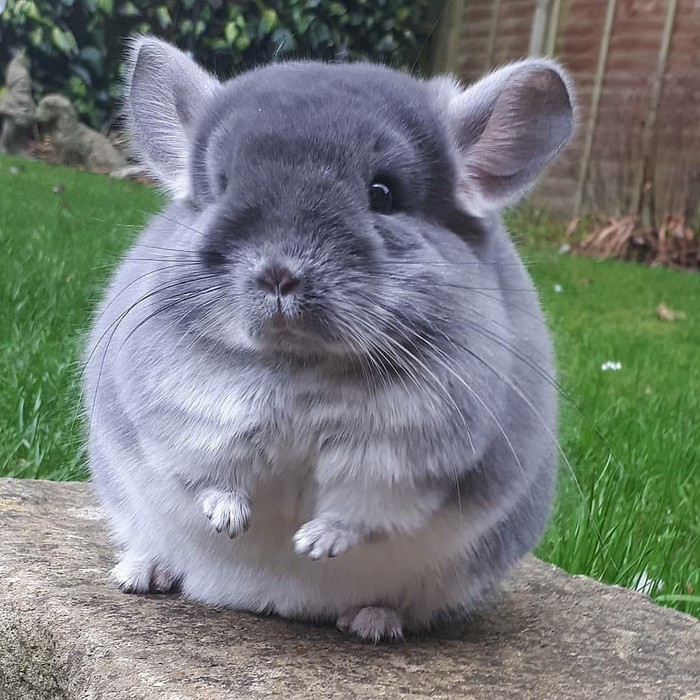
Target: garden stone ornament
(17, 109)
(76, 143)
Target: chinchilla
(320, 383)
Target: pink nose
(277, 279)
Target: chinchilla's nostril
(277, 279)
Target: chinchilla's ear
(507, 127)
(166, 91)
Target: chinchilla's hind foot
(372, 624)
(142, 574)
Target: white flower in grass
(611, 366)
(646, 585)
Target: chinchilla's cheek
(318, 350)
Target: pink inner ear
(516, 121)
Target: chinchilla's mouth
(281, 333)
(283, 325)
(281, 329)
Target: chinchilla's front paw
(228, 510)
(324, 537)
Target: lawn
(627, 509)
(60, 233)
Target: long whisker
(420, 386)
(138, 279)
(112, 328)
(399, 347)
(396, 355)
(179, 321)
(119, 318)
(484, 292)
(171, 303)
(446, 363)
(517, 390)
(531, 364)
(149, 295)
(548, 430)
(457, 263)
(160, 215)
(397, 350)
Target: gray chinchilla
(319, 384)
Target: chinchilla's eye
(223, 182)
(380, 199)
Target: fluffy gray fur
(302, 405)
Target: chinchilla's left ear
(507, 127)
(166, 91)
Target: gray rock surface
(65, 634)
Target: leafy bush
(75, 46)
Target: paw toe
(372, 624)
(228, 511)
(323, 538)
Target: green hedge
(75, 46)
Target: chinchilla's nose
(277, 279)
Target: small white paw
(227, 510)
(142, 575)
(323, 537)
(372, 624)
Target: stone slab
(64, 634)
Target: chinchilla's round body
(320, 383)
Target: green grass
(627, 501)
(57, 250)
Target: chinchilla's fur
(319, 384)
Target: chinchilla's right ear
(166, 91)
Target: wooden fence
(636, 64)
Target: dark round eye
(380, 199)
